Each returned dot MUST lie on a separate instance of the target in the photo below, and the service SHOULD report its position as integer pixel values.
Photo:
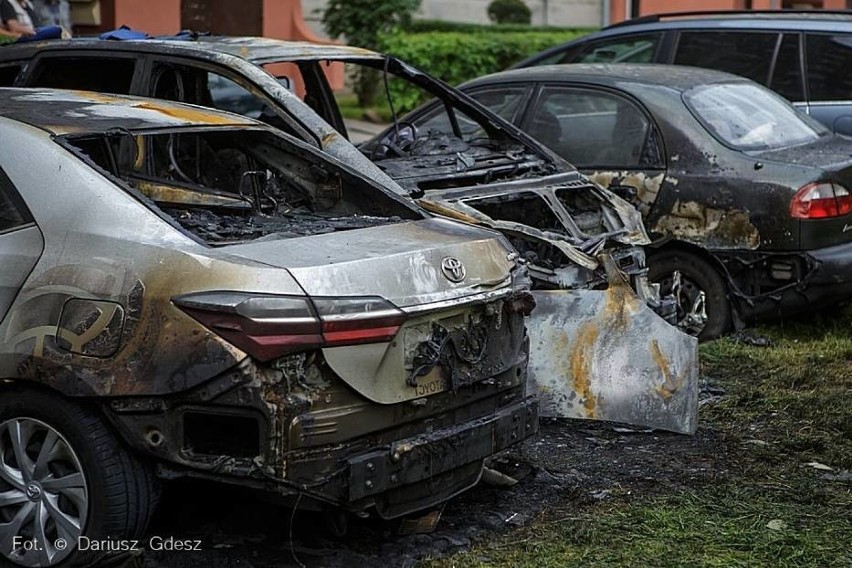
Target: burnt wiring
(446, 351)
(390, 99)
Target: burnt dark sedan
(747, 199)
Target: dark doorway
(223, 17)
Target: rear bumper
(424, 470)
(835, 266)
(831, 282)
(828, 282)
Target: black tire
(697, 275)
(122, 491)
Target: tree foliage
(457, 57)
(361, 23)
(509, 12)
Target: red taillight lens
(267, 326)
(821, 201)
(348, 321)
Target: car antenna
(388, 95)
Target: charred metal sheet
(69, 112)
(605, 355)
(647, 187)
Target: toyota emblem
(453, 269)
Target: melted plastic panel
(234, 185)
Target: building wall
(157, 17)
(578, 13)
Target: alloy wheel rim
(691, 301)
(44, 498)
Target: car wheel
(63, 476)
(702, 296)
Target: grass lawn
(350, 108)
(785, 417)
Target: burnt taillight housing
(821, 201)
(268, 326)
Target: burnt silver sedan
(198, 292)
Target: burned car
(198, 292)
(748, 201)
(564, 225)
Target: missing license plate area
(455, 352)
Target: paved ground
(361, 131)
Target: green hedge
(427, 26)
(457, 57)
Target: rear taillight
(821, 201)
(267, 326)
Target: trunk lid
(830, 159)
(403, 264)
(400, 262)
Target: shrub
(509, 12)
(426, 26)
(457, 57)
(362, 22)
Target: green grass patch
(728, 527)
(349, 108)
(785, 406)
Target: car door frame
(598, 173)
(140, 72)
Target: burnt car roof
(677, 77)
(65, 112)
(255, 49)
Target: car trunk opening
(234, 185)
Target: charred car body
(198, 291)
(565, 226)
(747, 200)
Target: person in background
(18, 17)
(54, 13)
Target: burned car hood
(567, 210)
(406, 263)
(439, 161)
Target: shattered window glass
(230, 185)
(750, 117)
(590, 128)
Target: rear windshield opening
(227, 186)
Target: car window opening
(227, 186)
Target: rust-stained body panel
(605, 355)
(599, 349)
